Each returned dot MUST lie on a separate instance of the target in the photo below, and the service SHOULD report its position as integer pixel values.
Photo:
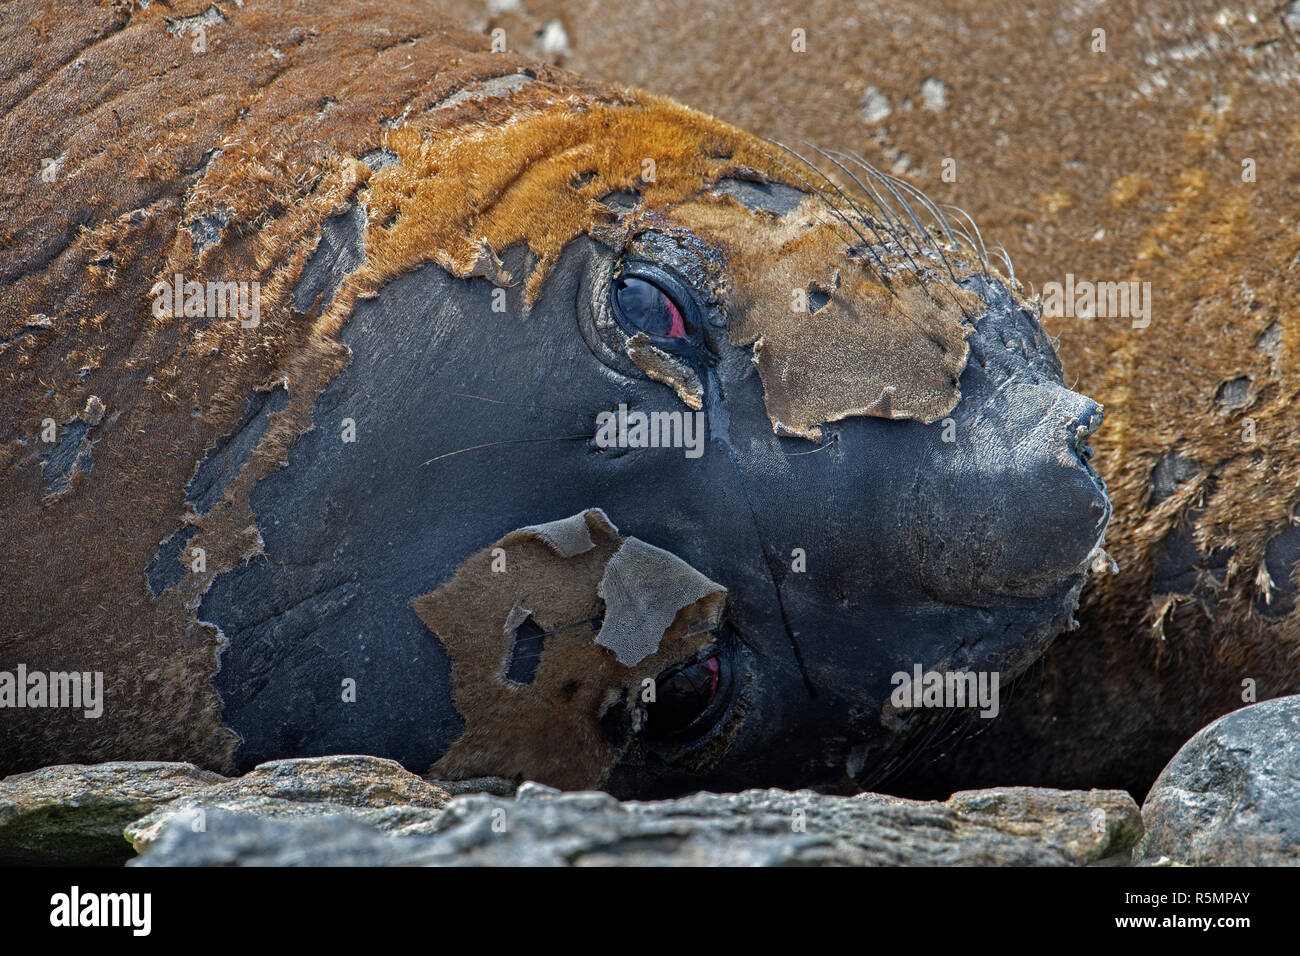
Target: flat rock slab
(86, 814)
(73, 814)
(370, 790)
(1231, 796)
(544, 827)
(369, 811)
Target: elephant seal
(368, 390)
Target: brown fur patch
(533, 169)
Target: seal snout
(1012, 506)
(1057, 508)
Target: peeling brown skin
(161, 139)
(661, 367)
(907, 341)
(553, 728)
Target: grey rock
(246, 839)
(544, 827)
(875, 106)
(74, 814)
(369, 790)
(501, 786)
(349, 781)
(1231, 795)
(935, 94)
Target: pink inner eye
(648, 308)
(677, 328)
(712, 665)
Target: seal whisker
(878, 272)
(948, 730)
(983, 252)
(926, 737)
(1011, 270)
(940, 219)
(507, 441)
(814, 451)
(885, 179)
(496, 401)
(887, 182)
(966, 237)
(901, 227)
(917, 193)
(853, 246)
(907, 232)
(881, 274)
(865, 220)
(812, 187)
(892, 218)
(934, 209)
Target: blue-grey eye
(649, 309)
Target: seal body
(377, 392)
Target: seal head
(669, 451)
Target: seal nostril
(1083, 427)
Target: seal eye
(681, 698)
(649, 309)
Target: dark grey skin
(967, 554)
